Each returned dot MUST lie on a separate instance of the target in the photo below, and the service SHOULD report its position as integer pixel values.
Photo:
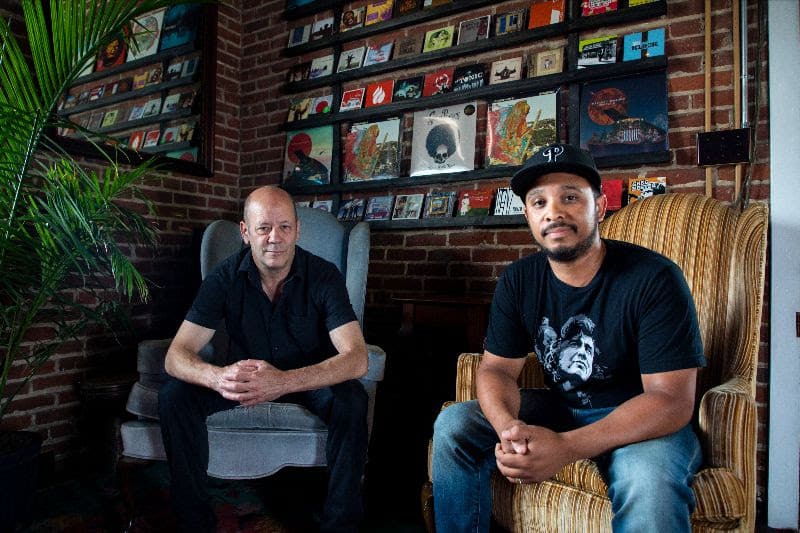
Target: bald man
(293, 338)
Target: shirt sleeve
(208, 308)
(669, 334)
(335, 301)
(506, 334)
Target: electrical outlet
(724, 147)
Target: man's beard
(567, 255)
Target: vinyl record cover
(307, 159)
(438, 82)
(407, 206)
(473, 29)
(408, 88)
(379, 93)
(136, 140)
(379, 208)
(378, 11)
(146, 34)
(299, 35)
(597, 51)
(372, 151)
(444, 140)
(475, 203)
(151, 138)
(546, 12)
(350, 59)
(644, 44)
(546, 62)
(408, 46)
(597, 7)
(112, 55)
(613, 191)
(641, 187)
(406, 6)
(322, 28)
(299, 108)
(516, 128)
(505, 70)
(321, 105)
(180, 25)
(323, 205)
(439, 204)
(352, 209)
(321, 66)
(467, 77)
(509, 22)
(507, 203)
(378, 53)
(438, 39)
(352, 18)
(352, 99)
(625, 116)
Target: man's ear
(601, 204)
(243, 232)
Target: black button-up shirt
(291, 332)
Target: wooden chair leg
(426, 499)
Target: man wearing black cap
(615, 330)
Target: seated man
(293, 337)
(615, 330)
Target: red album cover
(136, 140)
(545, 12)
(438, 82)
(613, 191)
(597, 7)
(379, 93)
(475, 203)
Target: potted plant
(61, 225)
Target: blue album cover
(625, 116)
(642, 45)
(180, 25)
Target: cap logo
(552, 153)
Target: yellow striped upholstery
(722, 253)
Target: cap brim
(525, 178)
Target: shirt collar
(248, 267)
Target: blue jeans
(649, 482)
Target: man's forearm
(498, 396)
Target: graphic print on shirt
(568, 356)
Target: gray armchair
(238, 438)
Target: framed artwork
(625, 116)
(308, 154)
(516, 128)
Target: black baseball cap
(555, 158)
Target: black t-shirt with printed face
(635, 317)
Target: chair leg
(426, 499)
(125, 481)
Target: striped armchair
(722, 253)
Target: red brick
(494, 255)
(433, 239)
(471, 238)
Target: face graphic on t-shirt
(568, 355)
(576, 356)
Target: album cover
(438, 39)
(378, 53)
(322, 28)
(112, 55)
(545, 12)
(516, 128)
(509, 22)
(95, 93)
(151, 138)
(117, 87)
(93, 121)
(146, 31)
(350, 59)
(189, 67)
(352, 209)
(467, 77)
(109, 118)
(186, 99)
(505, 70)
(137, 110)
(155, 75)
(140, 80)
(427, 4)
(640, 188)
(188, 154)
(185, 132)
(307, 159)
(180, 25)
(597, 51)
(597, 7)
(475, 203)
(634, 3)
(444, 140)
(323, 205)
(299, 35)
(406, 6)
(299, 108)
(379, 208)
(299, 72)
(408, 46)
(612, 189)
(378, 11)
(321, 66)
(546, 62)
(173, 71)
(507, 203)
(303, 203)
(151, 107)
(407, 206)
(408, 88)
(352, 18)
(439, 204)
(473, 29)
(379, 93)
(372, 151)
(625, 116)
(136, 140)
(171, 103)
(352, 99)
(438, 82)
(321, 105)
(170, 135)
(642, 45)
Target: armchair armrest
(727, 420)
(466, 372)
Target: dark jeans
(183, 409)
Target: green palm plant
(60, 223)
